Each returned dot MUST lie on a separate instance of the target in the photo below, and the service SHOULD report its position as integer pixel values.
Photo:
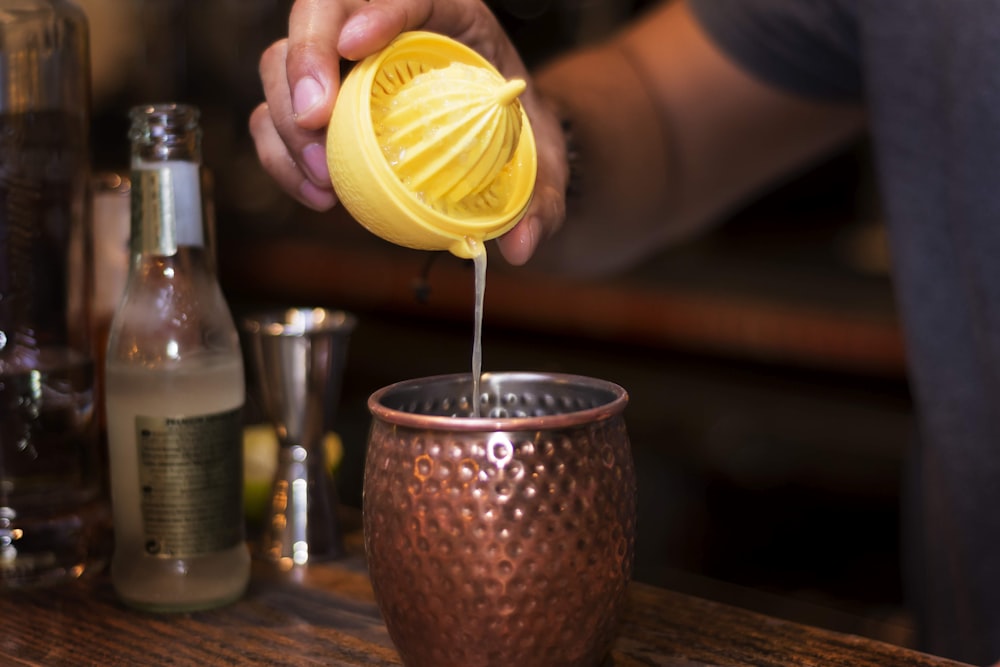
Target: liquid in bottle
(174, 390)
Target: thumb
(545, 215)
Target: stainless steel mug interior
(506, 539)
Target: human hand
(301, 78)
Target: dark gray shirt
(928, 72)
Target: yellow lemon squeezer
(429, 147)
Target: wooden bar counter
(324, 614)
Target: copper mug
(505, 539)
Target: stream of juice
(477, 340)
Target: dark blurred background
(769, 408)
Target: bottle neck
(165, 132)
(166, 207)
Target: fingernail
(307, 94)
(314, 160)
(352, 30)
(519, 244)
(315, 197)
(532, 236)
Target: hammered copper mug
(506, 539)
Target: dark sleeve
(808, 47)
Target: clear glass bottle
(54, 515)
(175, 389)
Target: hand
(301, 79)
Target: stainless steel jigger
(298, 355)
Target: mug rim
(397, 417)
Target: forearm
(619, 168)
(671, 135)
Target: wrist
(566, 144)
(574, 163)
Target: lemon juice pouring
(431, 149)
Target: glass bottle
(175, 389)
(54, 516)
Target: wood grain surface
(325, 614)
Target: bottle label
(191, 481)
(166, 207)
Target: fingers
(312, 62)
(378, 23)
(544, 217)
(547, 211)
(278, 162)
(321, 32)
(294, 157)
(519, 244)
(301, 79)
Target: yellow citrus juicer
(429, 147)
